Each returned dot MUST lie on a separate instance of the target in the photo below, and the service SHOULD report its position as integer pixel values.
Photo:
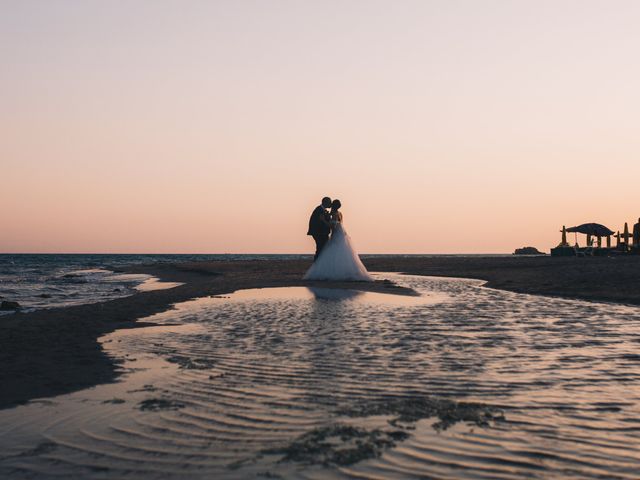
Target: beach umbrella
(591, 229)
(626, 235)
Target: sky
(217, 126)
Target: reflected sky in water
(332, 294)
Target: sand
(50, 352)
(459, 382)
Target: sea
(39, 281)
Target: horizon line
(306, 254)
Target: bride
(338, 260)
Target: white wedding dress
(338, 260)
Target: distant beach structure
(528, 251)
(626, 243)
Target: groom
(320, 226)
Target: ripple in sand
(463, 382)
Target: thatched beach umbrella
(594, 229)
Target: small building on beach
(595, 233)
(599, 241)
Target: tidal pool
(460, 382)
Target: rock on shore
(528, 251)
(7, 305)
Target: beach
(451, 352)
(138, 135)
(55, 351)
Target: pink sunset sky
(216, 126)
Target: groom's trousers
(321, 241)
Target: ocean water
(463, 382)
(38, 281)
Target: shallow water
(463, 382)
(43, 281)
(55, 286)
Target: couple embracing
(335, 258)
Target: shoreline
(52, 352)
(55, 351)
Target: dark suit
(319, 228)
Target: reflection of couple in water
(333, 294)
(335, 258)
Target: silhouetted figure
(338, 260)
(320, 225)
(636, 235)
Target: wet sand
(460, 382)
(601, 279)
(50, 352)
